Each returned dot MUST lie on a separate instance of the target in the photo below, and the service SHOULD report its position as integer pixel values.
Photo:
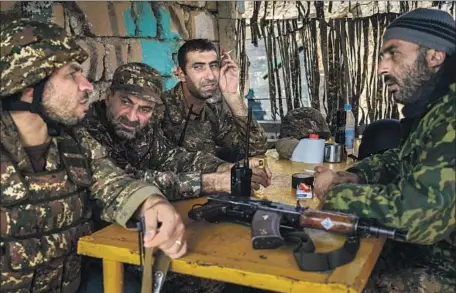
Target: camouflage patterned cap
(139, 79)
(31, 51)
(301, 122)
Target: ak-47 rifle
(269, 220)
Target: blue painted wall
(158, 41)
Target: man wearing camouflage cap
(298, 124)
(218, 128)
(411, 187)
(51, 173)
(127, 123)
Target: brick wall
(114, 32)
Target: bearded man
(127, 124)
(53, 173)
(411, 187)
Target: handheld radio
(241, 176)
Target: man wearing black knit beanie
(412, 187)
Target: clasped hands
(326, 179)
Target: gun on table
(269, 220)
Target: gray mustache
(390, 79)
(124, 120)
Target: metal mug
(334, 153)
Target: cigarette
(309, 171)
(227, 53)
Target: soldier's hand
(260, 176)
(229, 76)
(261, 163)
(170, 237)
(342, 176)
(325, 179)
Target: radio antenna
(247, 138)
(181, 138)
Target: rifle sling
(147, 277)
(309, 260)
(161, 266)
(155, 268)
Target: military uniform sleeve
(176, 171)
(286, 146)
(169, 157)
(176, 186)
(382, 168)
(233, 129)
(422, 201)
(118, 195)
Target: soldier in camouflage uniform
(411, 187)
(298, 124)
(219, 128)
(127, 124)
(51, 174)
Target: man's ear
(109, 96)
(435, 58)
(27, 95)
(181, 74)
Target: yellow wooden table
(224, 251)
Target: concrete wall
(114, 32)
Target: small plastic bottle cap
(314, 136)
(347, 107)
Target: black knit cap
(430, 28)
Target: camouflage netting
(339, 51)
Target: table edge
(87, 247)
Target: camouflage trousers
(410, 268)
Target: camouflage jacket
(216, 130)
(412, 187)
(111, 187)
(44, 213)
(151, 156)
